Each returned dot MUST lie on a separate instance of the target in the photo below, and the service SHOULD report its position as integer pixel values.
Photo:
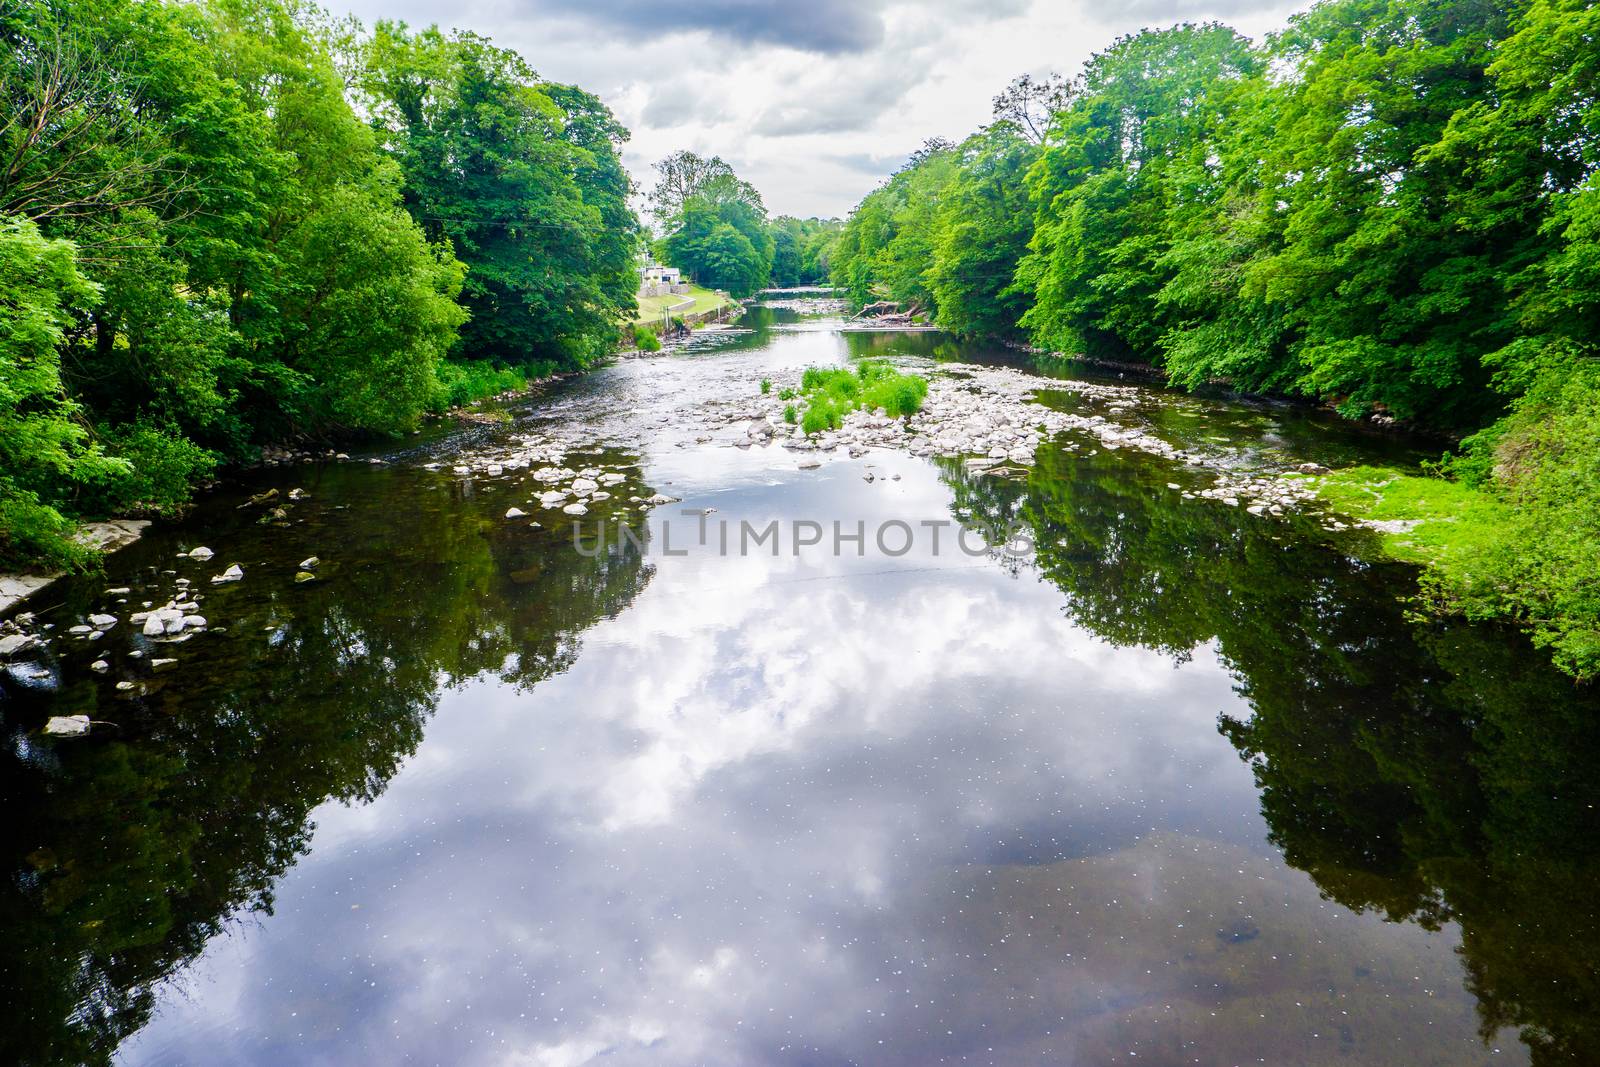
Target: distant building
(657, 280)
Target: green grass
(1454, 523)
(652, 307)
(831, 393)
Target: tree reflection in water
(124, 857)
(1436, 772)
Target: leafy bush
(766, 386)
(834, 392)
(786, 393)
(163, 469)
(645, 339)
(1541, 566)
(465, 381)
(789, 414)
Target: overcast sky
(815, 102)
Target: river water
(1176, 784)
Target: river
(1143, 778)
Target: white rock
(584, 486)
(67, 725)
(202, 553)
(575, 509)
(102, 622)
(154, 626)
(194, 622)
(100, 666)
(516, 513)
(232, 574)
(309, 563)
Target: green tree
(44, 450)
(522, 178)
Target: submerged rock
(310, 563)
(233, 574)
(202, 553)
(301, 577)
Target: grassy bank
(703, 300)
(1509, 528)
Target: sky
(813, 101)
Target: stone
(125, 686)
(162, 664)
(102, 622)
(67, 725)
(194, 622)
(576, 509)
(810, 464)
(310, 563)
(584, 486)
(120, 590)
(202, 553)
(100, 666)
(154, 626)
(516, 513)
(301, 577)
(233, 574)
(80, 630)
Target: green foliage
(164, 466)
(789, 414)
(786, 393)
(645, 339)
(831, 393)
(766, 386)
(802, 250)
(887, 243)
(261, 262)
(718, 234)
(45, 453)
(1540, 564)
(466, 381)
(1392, 208)
(522, 177)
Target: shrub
(834, 392)
(163, 469)
(645, 339)
(464, 381)
(766, 386)
(789, 415)
(786, 393)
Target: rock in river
(67, 725)
(17, 644)
(232, 574)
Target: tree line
(237, 222)
(715, 228)
(1390, 207)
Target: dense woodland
(1392, 207)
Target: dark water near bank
(1189, 787)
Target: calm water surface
(1186, 788)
